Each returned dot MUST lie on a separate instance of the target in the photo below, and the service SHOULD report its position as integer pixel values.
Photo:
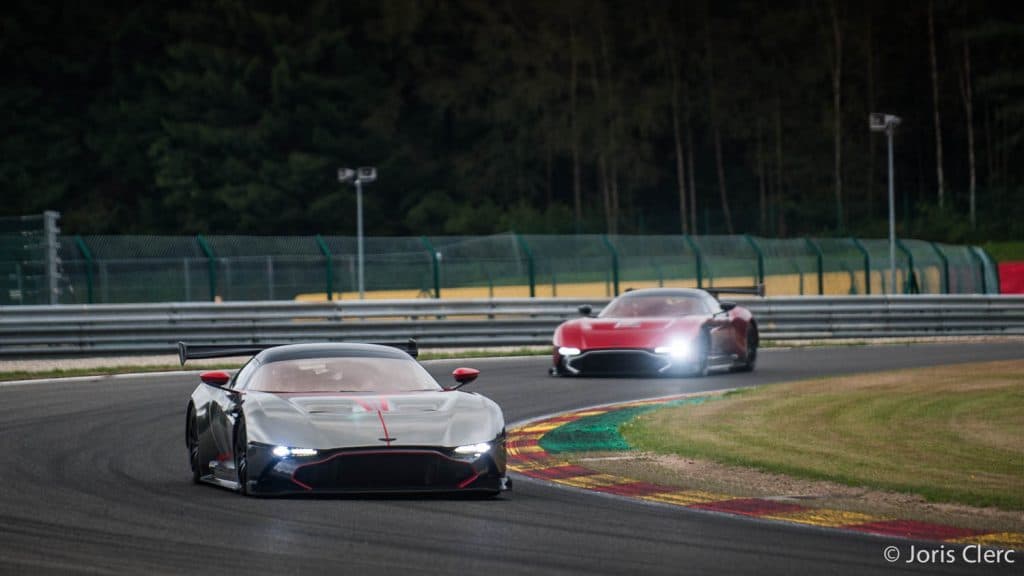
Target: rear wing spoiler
(200, 351)
(757, 290)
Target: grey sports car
(340, 418)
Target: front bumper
(376, 470)
(623, 362)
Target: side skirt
(229, 484)
(722, 361)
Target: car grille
(618, 362)
(384, 470)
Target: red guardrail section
(1011, 277)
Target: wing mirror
(585, 310)
(726, 306)
(216, 378)
(464, 376)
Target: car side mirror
(216, 378)
(585, 310)
(726, 306)
(464, 376)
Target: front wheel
(192, 442)
(558, 371)
(753, 340)
(241, 449)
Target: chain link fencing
(122, 269)
(30, 262)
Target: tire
(558, 372)
(192, 444)
(241, 450)
(753, 340)
(705, 350)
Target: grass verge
(951, 434)
(96, 371)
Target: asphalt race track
(94, 478)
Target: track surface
(95, 478)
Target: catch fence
(40, 266)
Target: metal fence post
(945, 267)
(187, 275)
(51, 232)
(800, 273)
(911, 286)
(226, 284)
(270, 277)
(984, 262)
(104, 282)
(615, 262)
(20, 273)
(987, 258)
(87, 254)
(436, 265)
(211, 264)
(530, 271)
(328, 268)
(981, 269)
(760, 258)
(867, 264)
(821, 265)
(699, 260)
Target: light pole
(359, 176)
(887, 123)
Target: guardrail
(155, 328)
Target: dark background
(222, 117)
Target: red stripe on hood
(387, 437)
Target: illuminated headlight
(680, 349)
(284, 451)
(567, 351)
(473, 449)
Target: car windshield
(342, 374)
(639, 306)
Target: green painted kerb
(600, 433)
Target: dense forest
(528, 115)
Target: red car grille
(618, 362)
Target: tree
(967, 95)
(837, 110)
(935, 103)
(253, 129)
(601, 116)
(669, 52)
(715, 126)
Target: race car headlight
(567, 351)
(678, 349)
(473, 449)
(284, 451)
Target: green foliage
(934, 223)
(232, 117)
(1005, 251)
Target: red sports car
(659, 331)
